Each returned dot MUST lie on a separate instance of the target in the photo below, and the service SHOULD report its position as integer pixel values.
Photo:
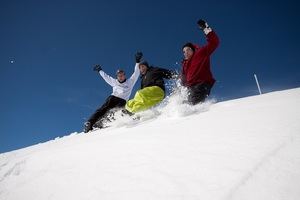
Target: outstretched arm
(108, 79)
(134, 77)
(211, 37)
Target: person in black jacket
(152, 89)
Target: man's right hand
(138, 57)
(97, 68)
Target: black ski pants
(198, 93)
(110, 103)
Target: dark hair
(189, 45)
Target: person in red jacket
(196, 74)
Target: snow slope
(241, 149)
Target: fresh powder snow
(242, 149)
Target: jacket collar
(122, 81)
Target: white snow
(242, 149)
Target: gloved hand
(138, 57)
(97, 68)
(204, 26)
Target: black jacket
(155, 77)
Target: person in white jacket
(122, 88)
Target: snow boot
(87, 127)
(126, 112)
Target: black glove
(202, 24)
(138, 57)
(97, 68)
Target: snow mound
(241, 149)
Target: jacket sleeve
(167, 74)
(212, 42)
(108, 79)
(134, 77)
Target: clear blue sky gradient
(47, 49)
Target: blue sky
(48, 48)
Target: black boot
(87, 127)
(126, 112)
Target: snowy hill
(241, 149)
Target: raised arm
(211, 37)
(134, 77)
(108, 79)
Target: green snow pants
(145, 98)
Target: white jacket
(122, 90)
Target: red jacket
(197, 69)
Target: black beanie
(120, 71)
(189, 45)
(144, 63)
